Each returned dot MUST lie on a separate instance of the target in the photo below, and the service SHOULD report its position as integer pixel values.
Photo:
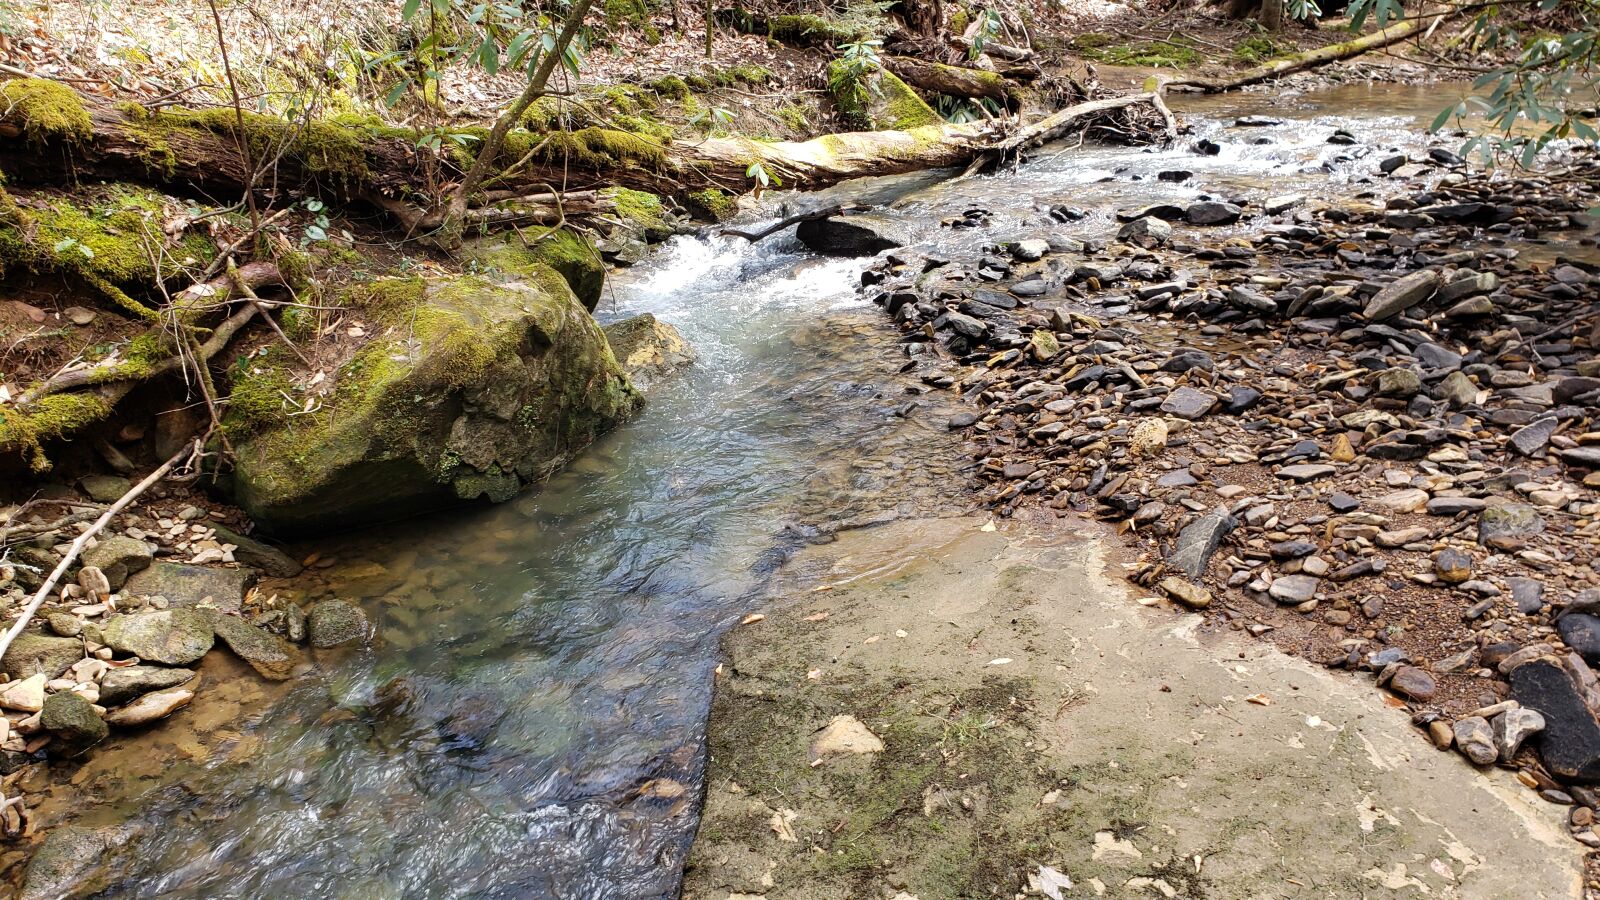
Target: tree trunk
(1312, 59)
(957, 81)
(1272, 15)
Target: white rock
(26, 695)
(845, 735)
(150, 707)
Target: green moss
(321, 149)
(959, 20)
(712, 204)
(1104, 48)
(795, 115)
(1256, 50)
(595, 148)
(645, 128)
(640, 211)
(809, 30)
(111, 244)
(47, 111)
(903, 109)
(51, 417)
(893, 106)
(671, 87)
(260, 394)
(697, 83)
(559, 260)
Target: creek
(529, 721)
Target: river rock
(190, 587)
(1147, 232)
(485, 388)
(1514, 726)
(70, 859)
(1413, 683)
(1401, 383)
(1475, 740)
(150, 707)
(1186, 592)
(845, 735)
(334, 622)
(857, 235)
(26, 695)
(271, 656)
(1581, 632)
(34, 653)
(118, 686)
(1528, 595)
(1452, 566)
(173, 637)
(1456, 389)
(1199, 541)
(648, 349)
(1189, 403)
(1211, 212)
(1305, 472)
(251, 552)
(1533, 438)
(1400, 295)
(118, 557)
(1569, 746)
(105, 488)
(72, 719)
(1506, 526)
(1294, 588)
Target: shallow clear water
(528, 723)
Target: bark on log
(1322, 56)
(957, 81)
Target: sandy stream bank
(1033, 714)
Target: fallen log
(824, 213)
(1312, 59)
(956, 81)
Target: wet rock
(267, 653)
(335, 622)
(1514, 726)
(857, 235)
(251, 552)
(1413, 683)
(1189, 403)
(32, 653)
(845, 735)
(1569, 746)
(118, 686)
(1452, 566)
(173, 637)
(1281, 204)
(1507, 526)
(118, 557)
(1146, 232)
(1031, 250)
(1199, 541)
(67, 863)
(190, 587)
(1457, 390)
(648, 350)
(73, 721)
(1294, 588)
(1211, 212)
(1475, 740)
(150, 707)
(1186, 592)
(1400, 295)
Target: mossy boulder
(511, 257)
(72, 720)
(271, 656)
(336, 622)
(474, 388)
(119, 557)
(171, 637)
(880, 101)
(33, 654)
(72, 861)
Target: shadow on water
(528, 721)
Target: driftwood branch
(73, 551)
(824, 213)
(1321, 56)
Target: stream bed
(529, 721)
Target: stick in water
(77, 545)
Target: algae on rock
(472, 389)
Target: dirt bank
(1037, 723)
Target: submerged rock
(64, 865)
(271, 656)
(118, 686)
(193, 586)
(478, 390)
(150, 707)
(648, 349)
(334, 622)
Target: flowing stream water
(528, 722)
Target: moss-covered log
(195, 152)
(1321, 56)
(956, 81)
